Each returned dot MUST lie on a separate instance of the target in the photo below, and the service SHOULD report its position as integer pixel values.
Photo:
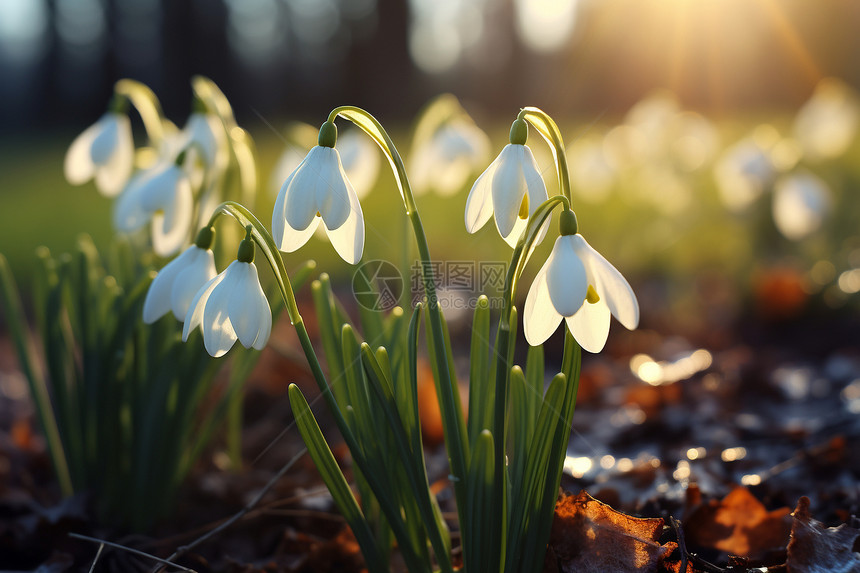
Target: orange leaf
(588, 535)
(739, 524)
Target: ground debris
(815, 548)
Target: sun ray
(792, 40)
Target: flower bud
(328, 135)
(519, 132)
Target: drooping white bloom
(510, 189)
(175, 285)
(800, 203)
(576, 283)
(163, 196)
(827, 124)
(104, 151)
(206, 131)
(446, 159)
(228, 307)
(358, 156)
(319, 190)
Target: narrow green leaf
(29, 362)
(483, 552)
(334, 480)
(481, 389)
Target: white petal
(279, 223)
(78, 164)
(540, 318)
(113, 173)
(348, 239)
(590, 326)
(218, 333)
(360, 160)
(196, 272)
(171, 229)
(248, 308)
(479, 204)
(333, 190)
(535, 185)
(129, 214)
(198, 305)
(609, 283)
(566, 277)
(509, 187)
(157, 302)
(290, 159)
(300, 191)
(519, 226)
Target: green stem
(147, 105)
(455, 435)
(551, 133)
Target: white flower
(826, 124)
(576, 283)
(742, 173)
(176, 284)
(229, 306)
(448, 157)
(104, 151)
(206, 131)
(800, 204)
(511, 188)
(319, 190)
(358, 156)
(163, 196)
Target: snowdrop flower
(358, 156)
(510, 189)
(104, 151)
(826, 124)
(800, 204)
(176, 284)
(319, 190)
(163, 196)
(576, 283)
(204, 132)
(231, 306)
(445, 161)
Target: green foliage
(126, 408)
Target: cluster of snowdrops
(506, 455)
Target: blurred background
(691, 154)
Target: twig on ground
(241, 513)
(96, 558)
(102, 543)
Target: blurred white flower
(800, 204)
(742, 172)
(163, 196)
(827, 123)
(174, 287)
(319, 190)
(204, 133)
(228, 307)
(445, 160)
(104, 151)
(510, 189)
(576, 283)
(591, 175)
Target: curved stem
(551, 133)
(455, 434)
(147, 105)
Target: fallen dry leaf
(817, 549)
(589, 536)
(739, 524)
